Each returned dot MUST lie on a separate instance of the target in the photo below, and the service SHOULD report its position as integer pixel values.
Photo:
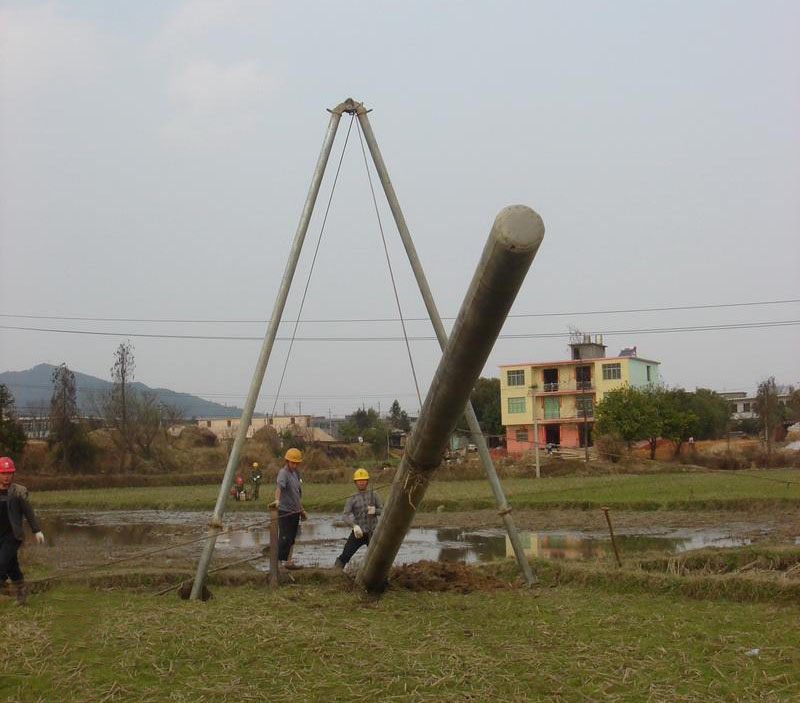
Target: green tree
(366, 423)
(398, 418)
(485, 398)
(12, 435)
(349, 431)
(629, 413)
(364, 419)
(713, 414)
(677, 418)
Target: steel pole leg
(441, 334)
(263, 358)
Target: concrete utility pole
(535, 429)
(513, 242)
(478, 439)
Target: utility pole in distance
(535, 428)
(585, 423)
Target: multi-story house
(743, 405)
(558, 397)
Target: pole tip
(519, 227)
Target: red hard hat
(6, 465)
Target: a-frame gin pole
(215, 524)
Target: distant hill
(32, 390)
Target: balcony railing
(587, 386)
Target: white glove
(370, 510)
(39, 537)
(358, 532)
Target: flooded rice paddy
(106, 533)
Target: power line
(344, 396)
(531, 335)
(704, 306)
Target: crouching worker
(13, 505)
(361, 512)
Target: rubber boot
(21, 592)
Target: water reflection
(322, 537)
(582, 545)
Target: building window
(551, 409)
(516, 405)
(648, 374)
(581, 403)
(229, 423)
(612, 372)
(583, 377)
(291, 421)
(745, 407)
(522, 435)
(208, 423)
(516, 378)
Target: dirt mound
(442, 576)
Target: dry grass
(323, 643)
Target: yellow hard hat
(255, 464)
(360, 475)
(294, 455)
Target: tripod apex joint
(350, 106)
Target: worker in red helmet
(13, 505)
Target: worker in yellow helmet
(289, 500)
(361, 512)
(255, 479)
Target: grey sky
(154, 158)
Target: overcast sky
(155, 156)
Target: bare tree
(770, 411)
(122, 376)
(118, 403)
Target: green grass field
(323, 643)
(695, 490)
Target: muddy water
(322, 537)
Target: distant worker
(361, 512)
(13, 505)
(255, 479)
(289, 501)
(241, 494)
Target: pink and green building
(560, 396)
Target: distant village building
(561, 395)
(743, 405)
(300, 425)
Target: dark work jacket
(19, 505)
